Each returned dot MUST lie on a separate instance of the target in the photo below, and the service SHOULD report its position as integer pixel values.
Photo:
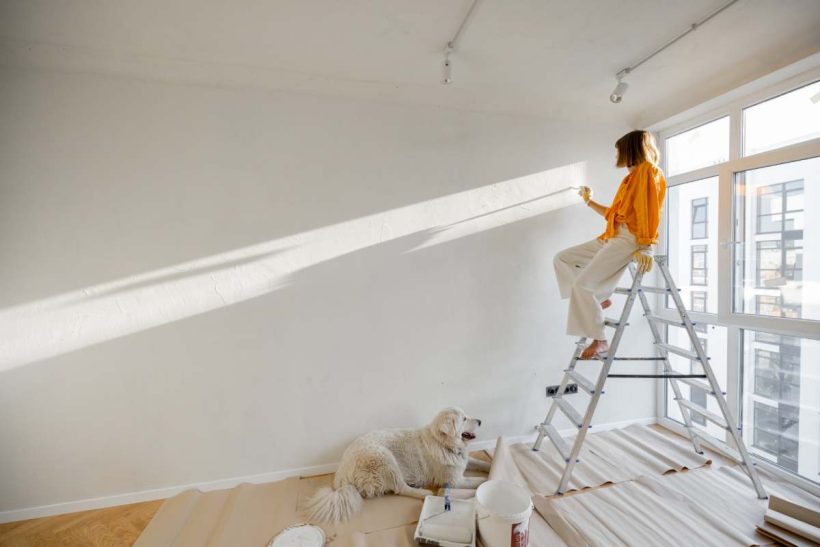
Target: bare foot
(597, 347)
(606, 303)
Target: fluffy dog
(401, 461)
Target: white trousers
(588, 274)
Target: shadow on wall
(57, 325)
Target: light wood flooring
(112, 526)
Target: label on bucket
(520, 534)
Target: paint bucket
(504, 510)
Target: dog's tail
(329, 505)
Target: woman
(588, 273)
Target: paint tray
(454, 528)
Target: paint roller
(443, 532)
(450, 532)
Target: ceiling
(535, 57)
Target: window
(778, 260)
(715, 344)
(700, 208)
(742, 236)
(698, 301)
(780, 207)
(774, 204)
(776, 361)
(697, 395)
(705, 145)
(781, 398)
(698, 261)
(772, 305)
(788, 119)
(774, 433)
(691, 238)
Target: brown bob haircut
(635, 148)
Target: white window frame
(725, 206)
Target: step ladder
(595, 388)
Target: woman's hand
(586, 194)
(643, 259)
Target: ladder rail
(599, 386)
(579, 347)
(667, 367)
(728, 415)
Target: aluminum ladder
(595, 389)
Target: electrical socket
(552, 391)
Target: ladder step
(698, 384)
(569, 412)
(659, 290)
(557, 440)
(599, 358)
(678, 376)
(614, 323)
(708, 414)
(582, 381)
(665, 321)
(678, 351)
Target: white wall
(102, 179)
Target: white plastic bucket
(504, 511)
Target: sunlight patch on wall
(53, 326)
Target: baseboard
(159, 493)
(163, 493)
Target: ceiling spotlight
(618, 95)
(448, 69)
(620, 89)
(447, 77)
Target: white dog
(401, 461)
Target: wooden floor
(108, 527)
(113, 526)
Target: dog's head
(454, 428)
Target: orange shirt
(638, 204)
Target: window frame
(733, 105)
(725, 172)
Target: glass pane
(698, 147)
(698, 301)
(692, 246)
(781, 396)
(715, 342)
(778, 209)
(699, 256)
(784, 120)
